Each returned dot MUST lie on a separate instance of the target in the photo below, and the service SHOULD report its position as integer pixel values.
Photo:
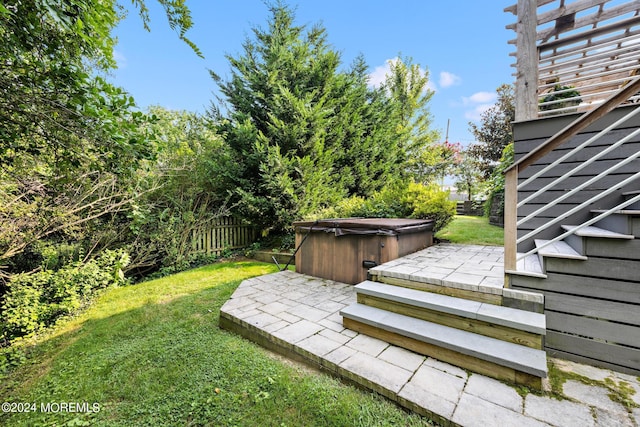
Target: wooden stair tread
(592, 231)
(528, 266)
(558, 250)
(632, 212)
(514, 356)
(490, 313)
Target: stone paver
(584, 370)
(592, 395)
(414, 394)
(606, 418)
(440, 383)
(400, 357)
(298, 331)
(473, 411)
(558, 412)
(340, 354)
(467, 267)
(379, 372)
(368, 345)
(301, 314)
(307, 312)
(318, 345)
(492, 390)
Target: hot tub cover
(377, 226)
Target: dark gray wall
(528, 135)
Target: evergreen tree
(302, 134)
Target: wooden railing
(223, 234)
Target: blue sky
(463, 45)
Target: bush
(410, 201)
(429, 201)
(35, 301)
(497, 180)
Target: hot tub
(344, 249)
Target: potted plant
(559, 92)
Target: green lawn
(472, 230)
(152, 354)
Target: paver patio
(298, 316)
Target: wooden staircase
(493, 340)
(591, 284)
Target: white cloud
(476, 113)
(478, 103)
(121, 60)
(449, 79)
(379, 74)
(480, 98)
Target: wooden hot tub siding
(340, 257)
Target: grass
(472, 230)
(152, 354)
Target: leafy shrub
(497, 180)
(429, 201)
(413, 200)
(35, 301)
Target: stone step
(489, 313)
(485, 355)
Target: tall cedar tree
(301, 133)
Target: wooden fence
(223, 234)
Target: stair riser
(471, 325)
(442, 290)
(621, 223)
(577, 243)
(605, 247)
(631, 195)
(634, 206)
(612, 248)
(613, 269)
(468, 362)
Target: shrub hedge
(413, 200)
(35, 301)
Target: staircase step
(632, 212)
(392, 327)
(592, 231)
(630, 195)
(528, 266)
(626, 221)
(558, 250)
(489, 313)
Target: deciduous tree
(494, 132)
